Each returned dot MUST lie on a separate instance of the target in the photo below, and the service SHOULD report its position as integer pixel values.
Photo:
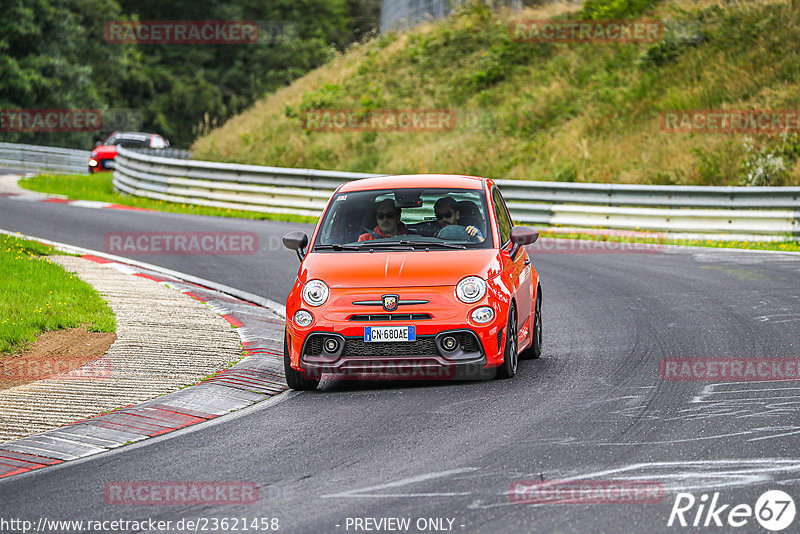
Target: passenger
(447, 213)
(389, 224)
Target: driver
(447, 213)
(389, 224)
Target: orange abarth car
(421, 276)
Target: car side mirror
(296, 241)
(521, 236)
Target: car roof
(426, 181)
(134, 135)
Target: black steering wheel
(454, 232)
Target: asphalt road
(594, 407)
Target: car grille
(423, 346)
(314, 345)
(468, 342)
(391, 317)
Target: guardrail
(44, 158)
(169, 152)
(228, 185)
(759, 212)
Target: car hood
(105, 151)
(399, 269)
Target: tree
(53, 55)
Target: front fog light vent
(331, 345)
(303, 318)
(449, 343)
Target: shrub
(762, 167)
(678, 34)
(615, 9)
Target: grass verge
(623, 236)
(37, 295)
(99, 187)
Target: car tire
(535, 350)
(510, 357)
(296, 380)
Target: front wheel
(296, 380)
(535, 350)
(510, 358)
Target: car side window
(503, 220)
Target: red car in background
(103, 155)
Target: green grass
(37, 295)
(99, 187)
(583, 112)
(631, 237)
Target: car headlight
(481, 315)
(471, 289)
(303, 318)
(315, 293)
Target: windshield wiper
(375, 243)
(412, 244)
(445, 245)
(337, 246)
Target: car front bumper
(424, 357)
(433, 311)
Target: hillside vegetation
(584, 112)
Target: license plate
(375, 334)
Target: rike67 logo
(774, 510)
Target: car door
(516, 263)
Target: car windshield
(405, 219)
